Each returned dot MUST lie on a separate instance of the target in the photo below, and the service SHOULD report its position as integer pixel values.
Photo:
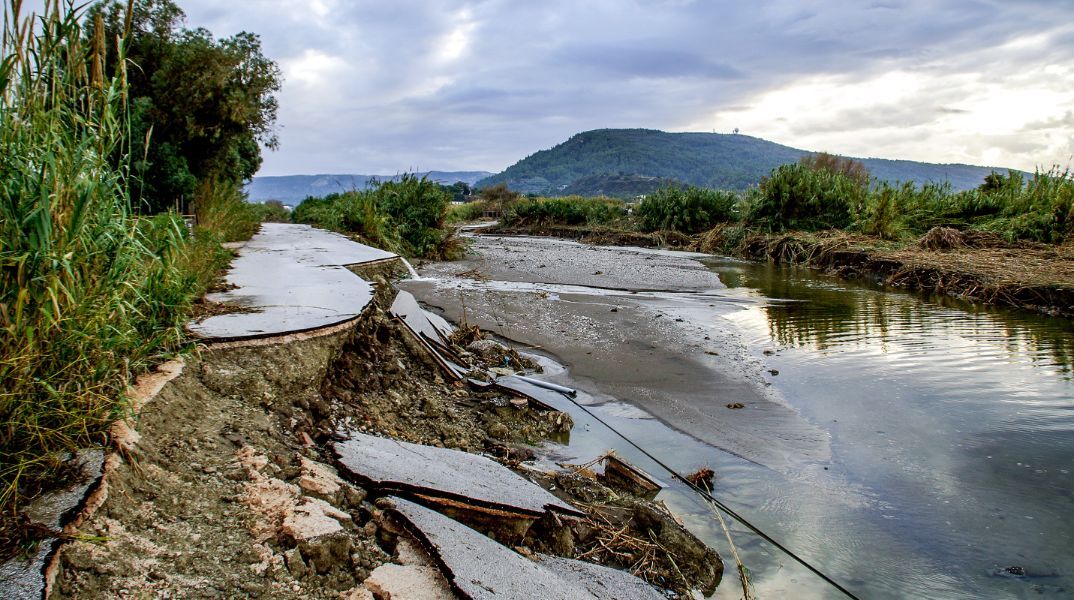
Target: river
(907, 447)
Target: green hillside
(726, 161)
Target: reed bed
(90, 293)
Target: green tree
(201, 108)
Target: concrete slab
(411, 469)
(480, 568)
(291, 278)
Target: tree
(201, 108)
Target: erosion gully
(908, 447)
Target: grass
(91, 294)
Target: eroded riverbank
(950, 425)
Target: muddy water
(909, 448)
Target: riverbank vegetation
(1008, 242)
(97, 274)
(407, 216)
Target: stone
(313, 519)
(319, 479)
(399, 582)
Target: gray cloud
(386, 86)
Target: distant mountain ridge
(610, 158)
(292, 189)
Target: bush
(468, 211)
(220, 206)
(797, 197)
(688, 210)
(272, 211)
(418, 207)
(405, 216)
(569, 210)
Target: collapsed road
(257, 467)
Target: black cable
(734, 515)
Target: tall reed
(89, 294)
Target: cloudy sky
(391, 85)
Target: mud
(609, 317)
(976, 266)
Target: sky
(387, 86)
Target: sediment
(977, 268)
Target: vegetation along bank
(1007, 242)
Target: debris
(702, 478)
(618, 473)
(399, 582)
(439, 473)
(479, 568)
(736, 405)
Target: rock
(319, 479)
(398, 582)
(313, 519)
(358, 593)
(328, 553)
(295, 564)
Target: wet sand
(641, 326)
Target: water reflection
(834, 315)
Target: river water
(907, 447)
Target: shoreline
(1033, 277)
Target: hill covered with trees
(711, 160)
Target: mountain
(292, 189)
(716, 160)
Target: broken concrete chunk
(398, 582)
(24, 579)
(480, 568)
(411, 469)
(313, 519)
(318, 479)
(419, 320)
(603, 582)
(55, 509)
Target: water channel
(908, 447)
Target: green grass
(90, 293)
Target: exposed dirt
(224, 488)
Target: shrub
(220, 206)
(272, 211)
(405, 216)
(797, 197)
(468, 211)
(688, 210)
(569, 210)
(418, 208)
